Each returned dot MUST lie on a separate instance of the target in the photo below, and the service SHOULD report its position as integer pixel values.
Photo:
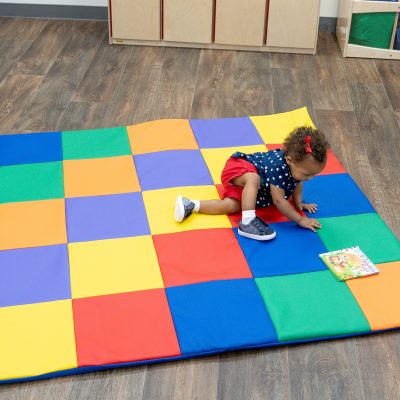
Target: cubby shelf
(289, 26)
(345, 15)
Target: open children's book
(349, 263)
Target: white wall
(329, 8)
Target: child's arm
(298, 200)
(278, 197)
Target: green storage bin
(372, 29)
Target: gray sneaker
(257, 229)
(183, 208)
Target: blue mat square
(31, 148)
(220, 315)
(172, 168)
(106, 217)
(34, 275)
(227, 132)
(336, 195)
(294, 250)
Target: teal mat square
(27, 182)
(311, 305)
(96, 143)
(367, 231)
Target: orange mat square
(100, 176)
(165, 134)
(32, 223)
(379, 296)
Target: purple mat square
(34, 275)
(227, 132)
(172, 168)
(106, 217)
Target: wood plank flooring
(62, 75)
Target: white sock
(248, 216)
(196, 205)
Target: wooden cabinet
(136, 19)
(240, 22)
(188, 20)
(343, 28)
(285, 27)
(254, 25)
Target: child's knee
(252, 178)
(232, 205)
(249, 178)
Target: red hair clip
(307, 139)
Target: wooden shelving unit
(256, 25)
(346, 10)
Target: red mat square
(124, 327)
(333, 165)
(271, 146)
(200, 256)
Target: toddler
(266, 178)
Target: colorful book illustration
(349, 263)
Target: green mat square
(367, 231)
(27, 182)
(96, 143)
(311, 305)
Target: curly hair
(295, 144)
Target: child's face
(306, 169)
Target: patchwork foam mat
(95, 273)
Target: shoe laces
(259, 223)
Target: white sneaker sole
(179, 209)
(257, 237)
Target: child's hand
(309, 223)
(311, 208)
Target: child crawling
(266, 178)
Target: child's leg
(251, 226)
(250, 183)
(226, 206)
(184, 207)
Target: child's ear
(288, 160)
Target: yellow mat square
(274, 128)
(160, 206)
(216, 158)
(36, 339)
(113, 266)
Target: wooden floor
(62, 75)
